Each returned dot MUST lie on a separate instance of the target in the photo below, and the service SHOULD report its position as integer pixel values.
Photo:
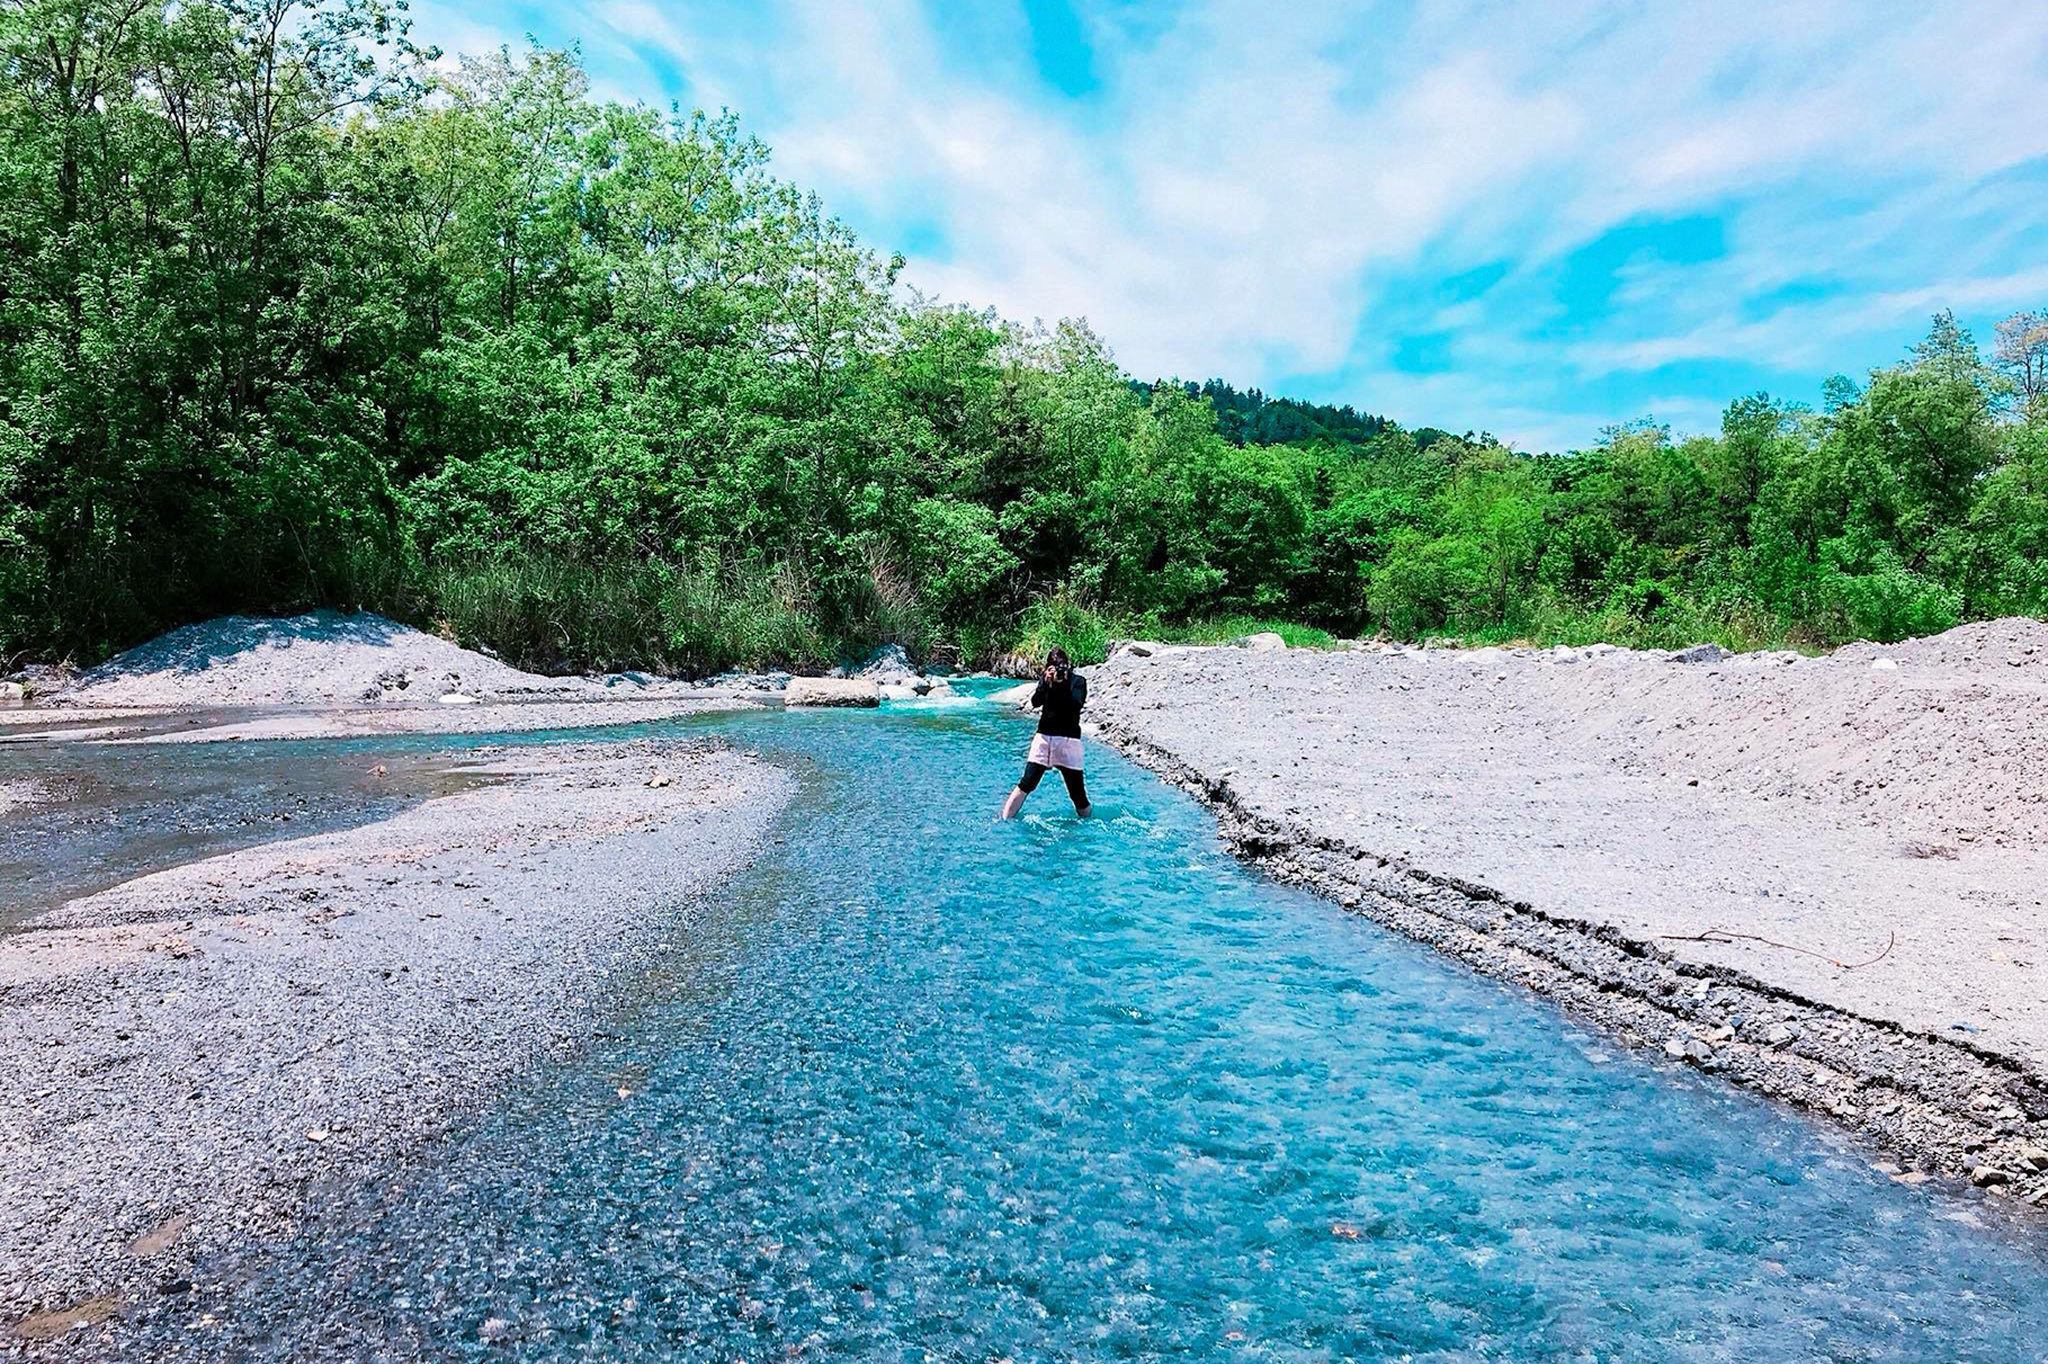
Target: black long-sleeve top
(1060, 707)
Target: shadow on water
(924, 1087)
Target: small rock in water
(494, 1330)
(828, 691)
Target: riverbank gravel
(194, 1053)
(320, 658)
(1851, 843)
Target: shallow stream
(923, 1087)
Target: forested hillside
(1249, 417)
(288, 318)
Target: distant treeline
(289, 317)
(1250, 417)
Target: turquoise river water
(922, 1087)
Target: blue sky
(1533, 219)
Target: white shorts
(1048, 750)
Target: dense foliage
(1249, 417)
(288, 318)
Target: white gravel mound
(322, 658)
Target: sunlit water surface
(923, 1087)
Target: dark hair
(1057, 658)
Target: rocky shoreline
(201, 1050)
(1945, 1103)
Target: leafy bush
(1061, 619)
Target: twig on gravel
(1723, 935)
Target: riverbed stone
(884, 664)
(1265, 641)
(832, 691)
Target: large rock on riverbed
(832, 691)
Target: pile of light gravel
(322, 658)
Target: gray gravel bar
(193, 1054)
(1818, 877)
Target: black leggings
(1033, 771)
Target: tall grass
(1085, 632)
(1224, 629)
(557, 615)
(1545, 620)
(1065, 620)
(551, 614)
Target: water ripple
(926, 1087)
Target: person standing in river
(1059, 696)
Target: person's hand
(1050, 676)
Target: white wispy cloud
(1275, 193)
